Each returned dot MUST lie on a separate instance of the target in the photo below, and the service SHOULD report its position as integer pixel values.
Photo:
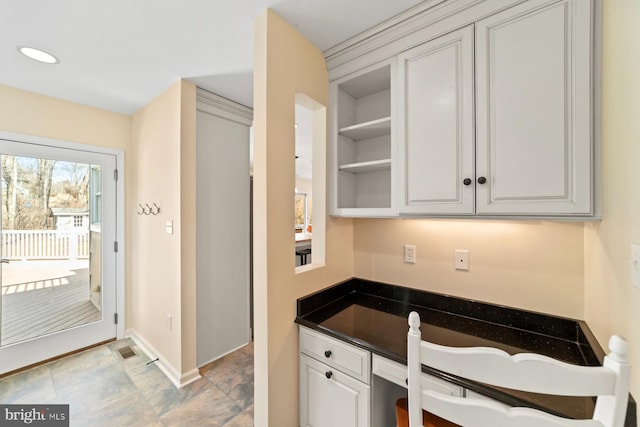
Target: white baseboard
(176, 378)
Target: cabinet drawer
(397, 374)
(335, 353)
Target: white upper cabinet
(491, 113)
(534, 109)
(436, 157)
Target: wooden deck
(39, 299)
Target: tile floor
(104, 390)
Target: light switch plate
(461, 259)
(635, 264)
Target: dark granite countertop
(373, 316)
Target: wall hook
(148, 210)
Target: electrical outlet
(410, 254)
(461, 259)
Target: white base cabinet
(334, 382)
(330, 398)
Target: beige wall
(285, 62)
(612, 305)
(164, 173)
(40, 115)
(531, 265)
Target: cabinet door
(534, 109)
(436, 134)
(330, 398)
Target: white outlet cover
(461, 259)
(410, 254)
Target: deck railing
(44, 244)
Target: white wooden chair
(526, 372)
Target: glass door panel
(57, 272)
(46, 243)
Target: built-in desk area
(355, 333)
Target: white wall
(222, 221)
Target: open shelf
(371, 129)
(364, 167)
(362, 140)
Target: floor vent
(126, 352)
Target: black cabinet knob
(327, 354)
(328, 374)
(482, 180)
(407, 381)
(467, 181)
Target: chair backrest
(526, 372)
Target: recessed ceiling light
(38, 55)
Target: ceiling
(119, 54)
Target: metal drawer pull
(328, 374)
(327, 354)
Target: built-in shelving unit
(363, 143)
